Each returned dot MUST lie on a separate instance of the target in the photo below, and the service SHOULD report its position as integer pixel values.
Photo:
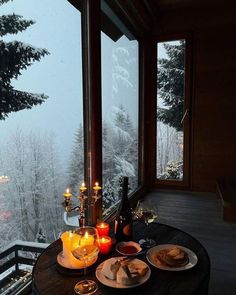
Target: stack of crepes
(124, 271)
(173, 257)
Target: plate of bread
(123, 272)
(171, 257)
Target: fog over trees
(31, 199)
(30, 202)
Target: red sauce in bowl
(128, 249)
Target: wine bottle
(123, 220)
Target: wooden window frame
(92, 101)
(185, 183)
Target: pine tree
(16, 56)
(76, 165)
(171, 85)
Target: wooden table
(48, 279)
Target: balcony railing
(16, 263)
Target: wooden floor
(200, 214)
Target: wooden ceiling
(157, 17)
(149, 15)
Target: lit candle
(83, 188)
(103, 229)
(105, 244)
(67, 193)
(97, 187)
(70, 242)
(87, 240)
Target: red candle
(103, 229)
(105, 244)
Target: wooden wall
(213, 141)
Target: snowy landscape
(42, 149)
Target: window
(172, 111)
(120, 122)
(41, 148)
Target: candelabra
(85, 201)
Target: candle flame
(96, 183)
(67, 190)
(83, 184)
(86, 235)
(103, 239)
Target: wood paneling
(213, 132)
(214, 104)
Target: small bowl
(128, 248)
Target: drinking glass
(86, 250)
(148, 214)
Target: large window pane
(41, 148)
(170, 109)
(120, 115)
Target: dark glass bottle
(123, 220)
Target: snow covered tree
(174, 170)
(16, 56)
(76, 164)
(120, 155)
(34, 192)
(170, 81)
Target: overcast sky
(59, 75)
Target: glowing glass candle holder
(105, 244)
(103, 229)
(86, 240)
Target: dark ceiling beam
(123, 9)
(108, 10)
(77, 4)
(155, 14)
(152, 9)
(141, 14)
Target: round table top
(49, 278)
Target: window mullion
(91, 48)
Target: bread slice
(125, 277)
(110, 268)
(174, 257)
(138, 268)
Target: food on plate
(125, 277)
(173, 257)
(124, 271)
(110, 268)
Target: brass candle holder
(85, 202)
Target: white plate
(112, 283)
(151, 254)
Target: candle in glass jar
(87, 240)
(105, 244)
(103, 229)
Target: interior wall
(213, 143)
(214, 106)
